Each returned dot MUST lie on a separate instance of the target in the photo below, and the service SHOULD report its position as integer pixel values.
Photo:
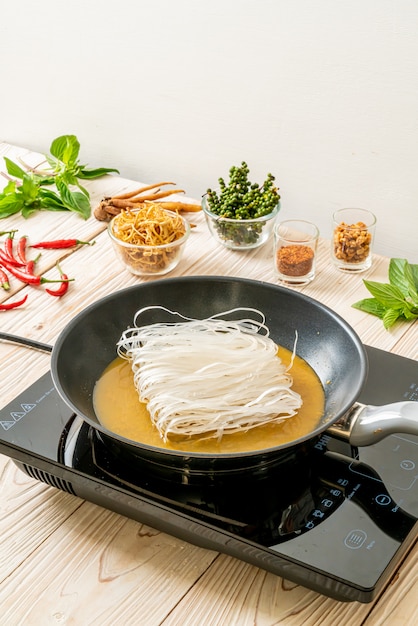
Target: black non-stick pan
(329, 345)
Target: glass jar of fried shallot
(353, 238)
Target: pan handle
(364, 425)
(24, 341)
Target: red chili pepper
(21, 249)
(12, 305)
(4, 280)
(9, 245)
(7, 253)
(22, 275)
(30, 265)
(8, 259)
(25, 277)
(63, 288)
(61, 243)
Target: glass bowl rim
(160, 246)
(361, 211)
(232, 220)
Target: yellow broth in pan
(120, 411)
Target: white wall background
(323, 94)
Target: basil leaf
(390, 317)
(51, 201)
(414, 273)
(28, 210)
(10, 188)
(410, 313)
(401, 276)
(96, 173)
(397, 274)
(397, 299)
(29, 189)
(56, 165)
(370, 305)
(46, 180)
(74, 200)
(13, 169)
(10, 204)
(412, 288)
(66, 149)
(80, 203)
(83, 190)
(389, 295)
(67, 178)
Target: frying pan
(326, 342)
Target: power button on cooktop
(383, 499)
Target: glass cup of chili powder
(295, 243)
(352, 240)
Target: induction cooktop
(340, 523)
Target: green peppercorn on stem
(240, 199)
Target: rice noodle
(209, 377)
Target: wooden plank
(398, 606)
(99, 567)
(234, 593)
(30, 512)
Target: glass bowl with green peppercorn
(240, 215)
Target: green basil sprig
(29, 189)
(395, 300)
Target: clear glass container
(240, 234)
(149, 260)
(295, 244)
(353, 239)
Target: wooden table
(67, 561)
